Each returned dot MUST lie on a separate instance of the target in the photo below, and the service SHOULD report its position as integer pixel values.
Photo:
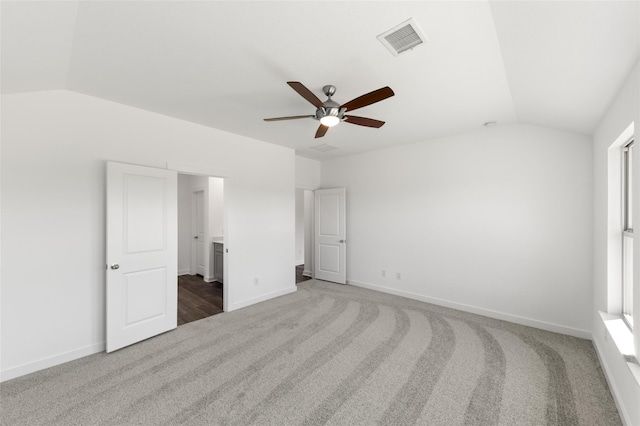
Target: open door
(142, 259)
(197, 225)
(331, 235)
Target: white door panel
(329, 258)
(329, 210)
(199, 234)
(145, 217)
(330, 235)
(142, 259)
(145, 299)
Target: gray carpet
(328, 354)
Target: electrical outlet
(384, 273)
(256, 281)
(397, 275)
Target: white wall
(624, 110)
(496, 222)
(184, 224)
(55, 145)
(307, 173)
(216, 207)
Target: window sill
(623, 339)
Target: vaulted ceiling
(225, 64)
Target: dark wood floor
(197, 299)
(299, 277)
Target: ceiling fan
(330, 113)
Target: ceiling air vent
(403, 37)
(324, 147)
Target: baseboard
(306, 273)
(209, 279)
(584, 334)
(32, 367)
(253, 301)
(612, 384)
(184, 272)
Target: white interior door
(198, 232)
(331, 235)
(142, 253)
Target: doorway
(320, 222)
(200, 238)
(304, 235)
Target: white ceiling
(226, 64)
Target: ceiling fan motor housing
(330, 111)
(330, 108)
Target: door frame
(338, 240)
(191, 169)
(313, 219)
(309, 232)
(311, 227)
(194, 231)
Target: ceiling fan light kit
(330, 120)
(330, 113)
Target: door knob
(115, 266)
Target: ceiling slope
(565, 61)
(226, 64)
(37, 38)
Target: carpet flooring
(327, 354)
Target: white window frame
(627, 234)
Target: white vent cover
(403, 37)
(324, 147)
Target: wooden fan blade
(322, 130)
(293, 117)
(369, 98)
(305, 93)
(363, 121)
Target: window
(627, 234)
